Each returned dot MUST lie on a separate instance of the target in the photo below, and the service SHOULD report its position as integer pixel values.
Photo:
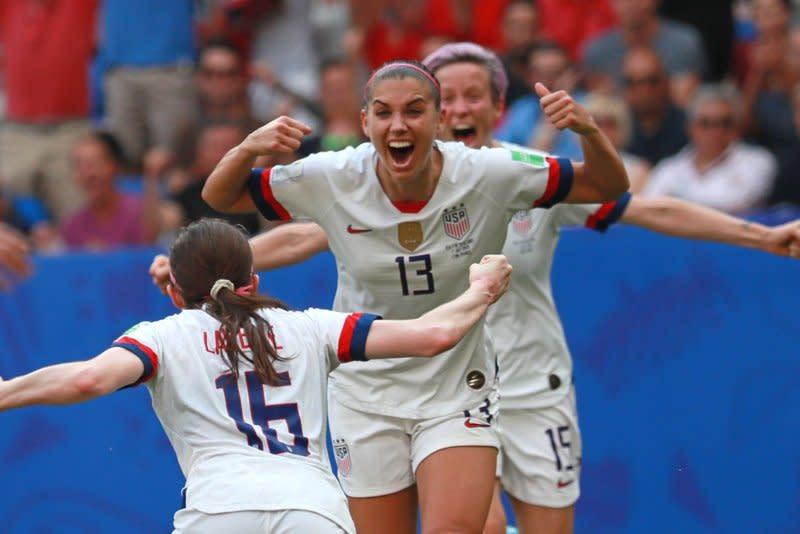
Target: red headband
(403, 65)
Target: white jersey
(535, 364)
(240, 444)
(400, 260)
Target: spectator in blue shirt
(524, 123)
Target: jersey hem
(260, 507)
(372, 407)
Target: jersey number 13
(422, 265)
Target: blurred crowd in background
(114, 112)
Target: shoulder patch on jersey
(290, 172)
(528, 158)
(135, 327)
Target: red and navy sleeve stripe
(353, 339)
(145, 353)
(263, 197)
(608, 213)
(559, 183)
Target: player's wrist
(486, 288)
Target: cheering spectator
(659, 127)
(716, 169)
(679, 46)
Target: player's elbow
(87, 383)
(595, 184)
(212, 199)
(440, 338)
(615, 184)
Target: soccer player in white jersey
(239, 383)
(403, 214)
(473, 82)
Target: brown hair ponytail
(209, 250)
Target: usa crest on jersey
(456, 221)
(342, 454)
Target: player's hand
(280, 136)
(564, 112)
(784, 240)
(159, 272)
(494, 273)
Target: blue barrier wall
(687, 375)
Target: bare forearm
(671, 216)
(227, 183)
(434, 332)
(458, 316)
(56, 384)
(602, 165)
(287, 244)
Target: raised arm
(601, 177)
(287, 244)
(444, 326)
(679, 218)
(74, 382)
(226, 187)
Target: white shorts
(540, 453)
(254, 522)
(378, 455)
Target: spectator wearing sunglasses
(659, 126)
(221, 81)
(716, 168)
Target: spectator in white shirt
(716, 168)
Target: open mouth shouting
(464, 133)
(400, 152)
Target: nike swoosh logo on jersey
(351, 230)
(472, 423)
(564, 483)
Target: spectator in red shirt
(571, 23)
(48, 47)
